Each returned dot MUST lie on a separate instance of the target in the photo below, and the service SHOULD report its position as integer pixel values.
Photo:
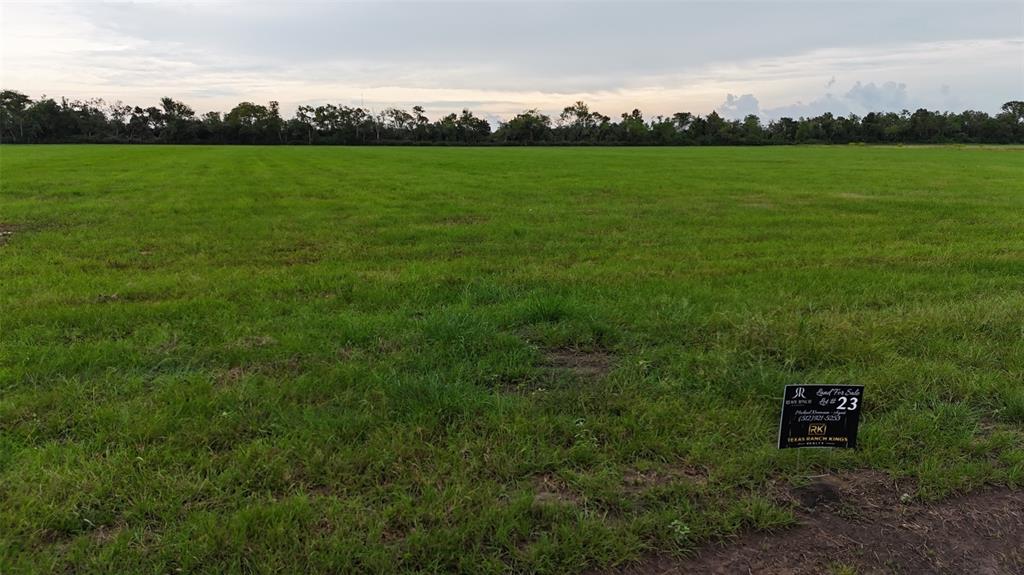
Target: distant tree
(85, 120)
(846, 129)
(926, 126)
(577, 123)
(135, 125)
(872, 129)
(463, 128)
(1012, 117)
(274, 125)
(1015, 110)
(356, 124)
(783, 130)
(305, 117)
(446, 128)
(247, 122)
(179, 121)
(826, 124)
(633, 129)
(44, 123)
(13, 111)
(399, 123)
(752, 131)
(714, 129)
(93, 120)
(682, 121)
(255, 124)
(472, 129)
(421, 124)
(663, 131)
(119, 114)
(528, 127)
(327, 121)
(212, 128)
(897, 126)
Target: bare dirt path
(864, 523)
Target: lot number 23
(847, 404)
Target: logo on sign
(816, 429)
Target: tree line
(46, 120)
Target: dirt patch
(635, 482)
(104, 534)
(254, 341)
(6, 231)
(233, 375)
(130, 297)
(291, 366)
(549, 489)
(855, 196)
(868, 523)
(320, 491)
(301, 253)
(463, 220)
(348, 352)
(593, 364)
(758, 202)
(168, 346)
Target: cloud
(949, 100)
(889, 97)
(816, 107)
(739, 107)
(860, 99)
(556, 45)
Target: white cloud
(887, 97)
(739, 107)
(816, 107)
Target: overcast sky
(498, 58)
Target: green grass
(256, 360)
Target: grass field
(257, 360)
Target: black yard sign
(820, 416)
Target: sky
(498, 58)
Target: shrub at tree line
(23, 120)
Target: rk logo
(799, 393)
(816, 429)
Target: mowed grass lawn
(278, 360)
